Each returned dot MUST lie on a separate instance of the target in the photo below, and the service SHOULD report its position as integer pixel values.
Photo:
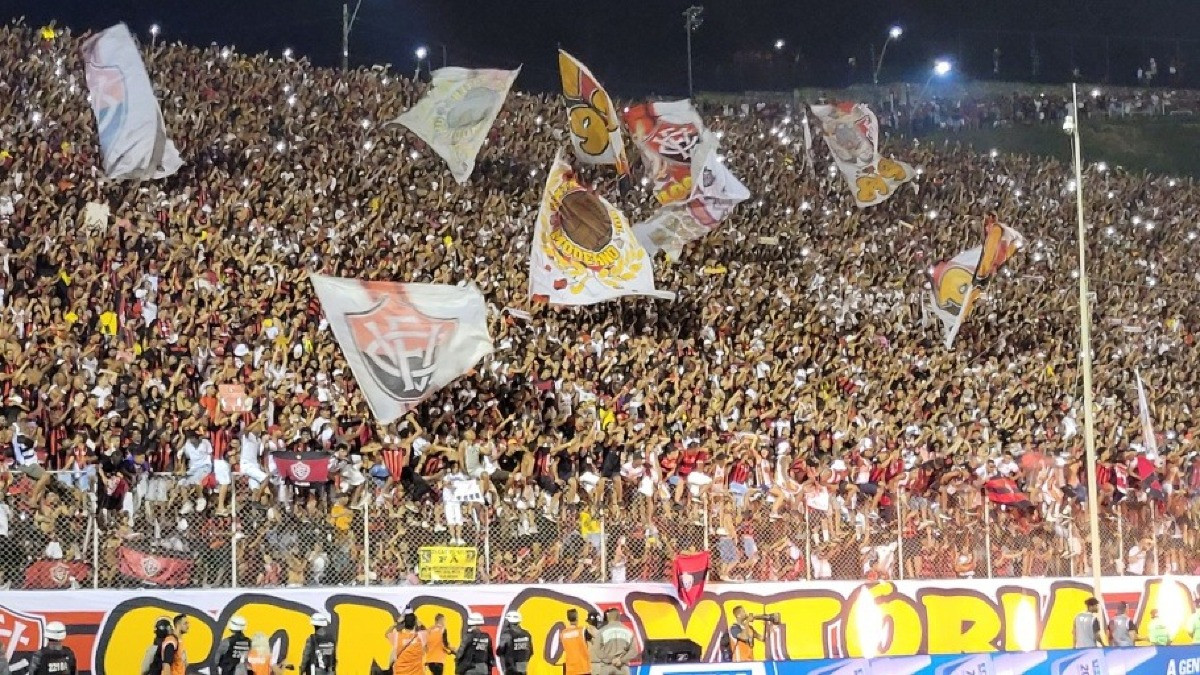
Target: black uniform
(474, 655)
(232, 654)
(320, 654)
(515, 649)
(52, 660)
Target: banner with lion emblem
(852, 133)
(404, 342)
(583, 250)
(455, 116)
(133, 138)
(957, 282)
(592, 120)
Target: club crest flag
(404, 342)
(689, 572)
(164, 569)
(583, 249)
(852, 133)
(671, 137)
(593, 122)
(716, 191)
(957, 282)
(455, 116)
(133, 138)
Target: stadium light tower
(1071, 127)
(942, 67)
(692, 18)
(420, 53)
(347, 23)
(894, 33)
(155, 29)
(779, 44)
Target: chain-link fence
(65, 532)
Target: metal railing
(162, 532)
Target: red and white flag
(56, 573)
(160, 570)
(404, 342)
(689, 573)
(302, 467)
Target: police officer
(231, 655)
(474, 655)
(55, 658)
(515, 647)
(320, 650)
(1087, 626)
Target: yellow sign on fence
(447, 563)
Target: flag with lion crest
(584, 250)
(851, 131)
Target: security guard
(1087, 626)
(613, 647)
(1159, 634)
(474, 655)
(172, 657)
(55, 658)
(151, 663)
(320, 650)
(516, 645)
(574, 639)
(231, 655)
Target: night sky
(638, 47)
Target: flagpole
(1071, 126)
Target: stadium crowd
(793, 409)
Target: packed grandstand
(793, 411)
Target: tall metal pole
(345, 36)
(688, 24)
(1085, 350)
(691, 21)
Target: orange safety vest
(258, 664)
(576, 658)
(435, 645)
(179, 667)
(742, 651)
(408, 653)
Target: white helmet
(55, 630)
(320, 619)
(237, 623)
(513, 617)
(474, 619)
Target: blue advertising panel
(1183, 660)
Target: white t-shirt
(199, 453)
(251, 449)
(1136, 561)
(5, 516)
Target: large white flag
(852, 133)
(716, 191)
(583, 249)
(455, 116)
(592, 120)
(404, 341)
(133, 138)
(1149, 441)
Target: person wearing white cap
(320, 650)
(474, 655)
(515, 646)
(231, 655)
(55, 658)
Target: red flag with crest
(160, 570)
(302, 467)
(689, 573)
